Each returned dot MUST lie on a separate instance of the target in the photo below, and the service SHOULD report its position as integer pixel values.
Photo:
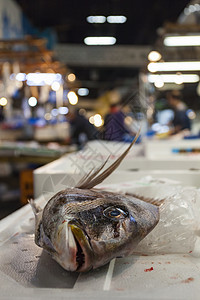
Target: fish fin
(93, 179)
(92, 173)
(39, 233)
(36, 209)
(154, 201)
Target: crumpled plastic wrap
(178, 230)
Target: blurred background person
(115, 128)
(81, 130)
(180, 120)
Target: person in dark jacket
(81, 129)
(114, 125)
(181, 120)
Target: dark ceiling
(68, 19)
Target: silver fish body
(84, 229)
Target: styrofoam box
(68, 170)
(163, 149)
(27, 272)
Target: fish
(84, 228)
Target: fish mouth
(84, 251)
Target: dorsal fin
(154, 201)
(91, 180)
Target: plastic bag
(179, 224)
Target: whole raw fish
(84, 228)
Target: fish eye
(114, 213)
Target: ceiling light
(83, 92)
(159, 83)
(47, 116)
(91, 119)
(154, 56)
(20, 77)
(116, 19)
(3, 101)
(191, 114)
(177, 78)
(54, 112)
(32, 101)
(49, 78)
(39, 79)
(174, 66)
(63, 110)
(185, 40)
(100, 40)
(73, 99)
(98, 121)
(55, 86)
(96, 19)
(71, 77)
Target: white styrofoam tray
(27, 272)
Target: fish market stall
(31, 152)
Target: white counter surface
(27, 272)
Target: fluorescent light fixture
(20, 77)
(184, 40)
(174, 66)
(55, 86)
(39, 79)
(116, 19)
(177, 78)
(159, 83)
(96, 19)
(100, 40)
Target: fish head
(113, 228)
(94, 231)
